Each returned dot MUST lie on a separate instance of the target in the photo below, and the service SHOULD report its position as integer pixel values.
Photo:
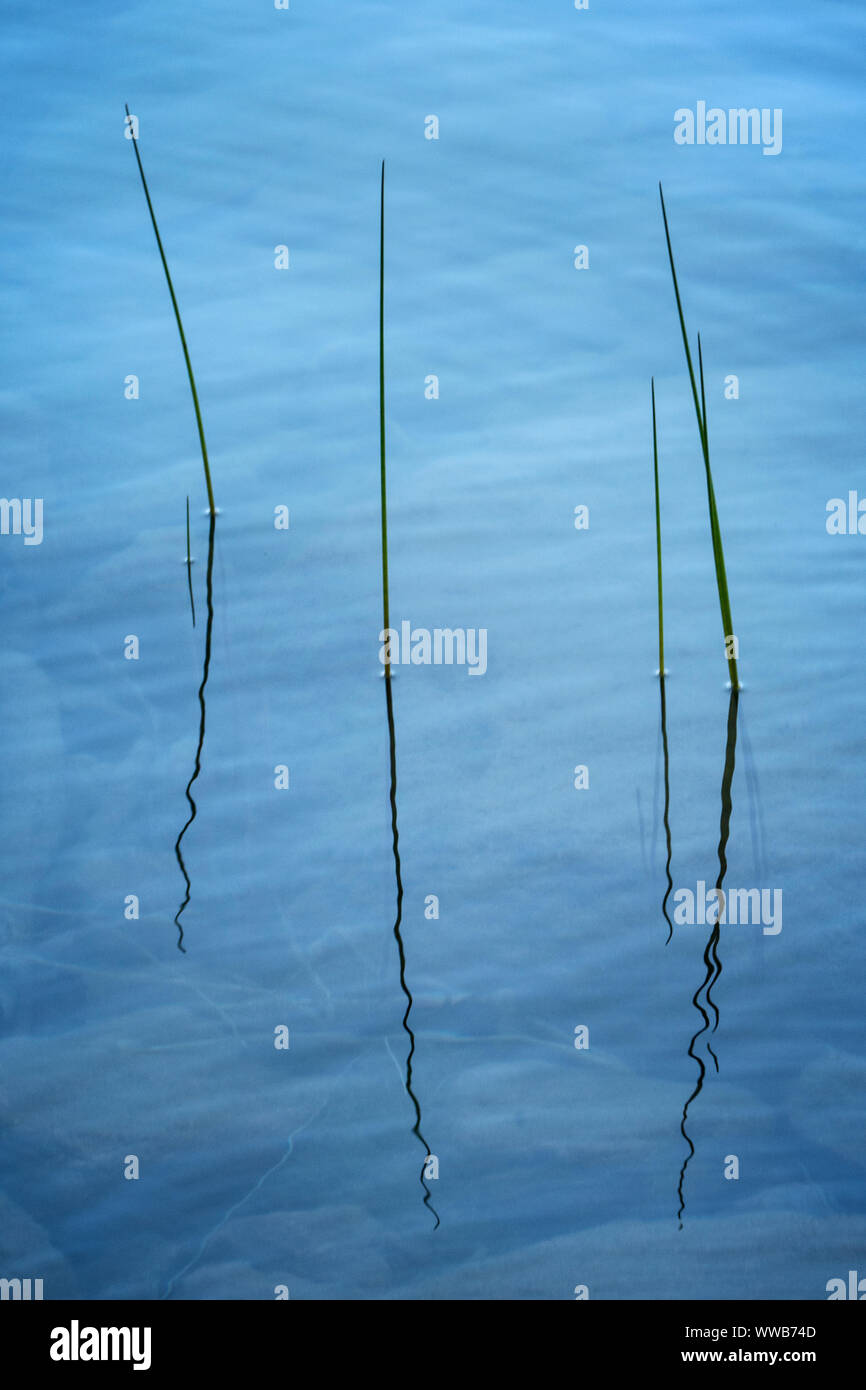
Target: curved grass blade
(701, 413)
(386, 623)
(658, 534)
(212, 512)
(198, 420)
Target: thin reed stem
(658, 534)
(700, 403)
(382, 478)
(198, 420)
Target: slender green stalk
(716, 531)
(658, 535)
(389, 701)
(385, 606)
(701, 413)
(198, 420)
(682, 319)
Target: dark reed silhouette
(201, 728)
(661, 671)
(712, 960)
(389, 699)
(416, 1128)
(212, 512)
(666, 810)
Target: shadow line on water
(711, 958)
(132, 135)
(398, 936)
(201, 729)
(666, 809)
(392, 737)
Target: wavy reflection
(416, 1128)
(201, 728)
(392, 740)
(667, 808)
(712, 961)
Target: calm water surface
(557, 1166)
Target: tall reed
(701, 413)
(198, 420)
(392, 734)
(658, 534)
(386, 623)
(662, 673)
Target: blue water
(558, 1167)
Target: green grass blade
(658, 535)
(682, 318)
(198, 420)
(382, 477)
(716, 532)
(701, 413)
